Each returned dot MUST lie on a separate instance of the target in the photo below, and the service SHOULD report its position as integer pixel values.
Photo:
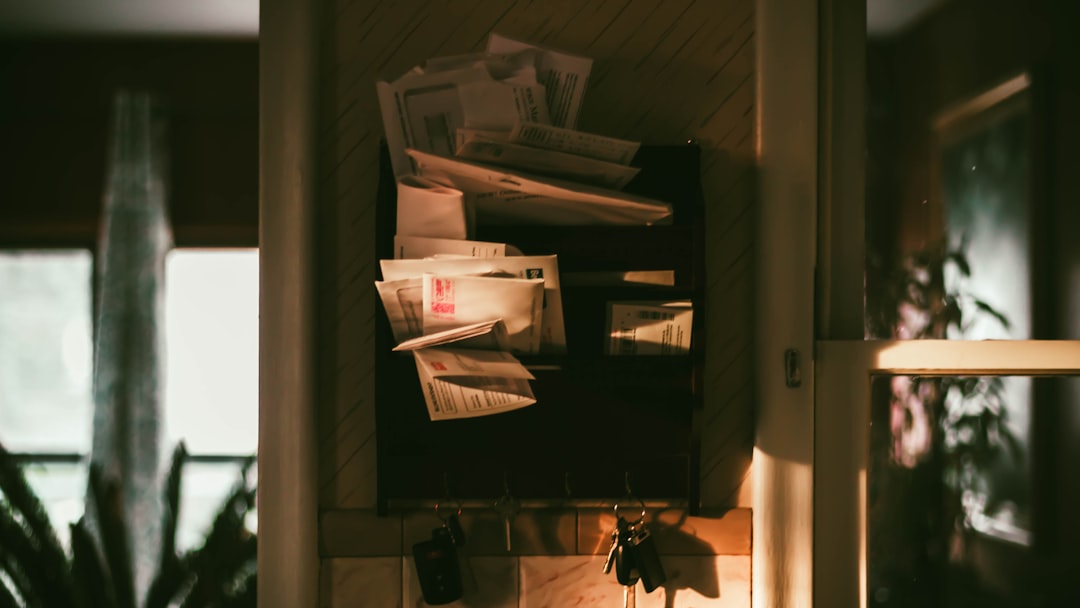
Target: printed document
(486, 335)
(452, 301)
(460, 383)
(508, 196)
(411, 247)
(563, 76)
(546, 267)
(549, 162)
(649, 328)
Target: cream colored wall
(664, 72)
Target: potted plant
(36, 570)
(934, 436)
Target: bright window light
(45, 351)
(211, 371)
(212, 350)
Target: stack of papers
(499, 130)
(463, 308)
(492, 138)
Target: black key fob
(625, 568)
(438, 570)
(647, 559)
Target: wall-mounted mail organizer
(598, 418)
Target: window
(211, 374)
(211, 399)
(816, 551)
(45, 372)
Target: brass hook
(446, 497)
(630, 498)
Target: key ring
(630, 498)
(447, 499)
(506, 502)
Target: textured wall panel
(664, 72)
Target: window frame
(81, 459)
(823, 179)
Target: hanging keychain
(437, 565)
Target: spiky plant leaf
(246, 596)
(10, 563)
(228, 546)
(21, 499)
(993, 312)
(7, 597)
(91, 578)
(109, 511)
(173, 573)
(39, 583)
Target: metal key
(507, 507)
(456, 531)
(630, 596)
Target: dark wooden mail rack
(599, 419)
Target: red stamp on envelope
(442, 296)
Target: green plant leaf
(246, 597)
(37, 581)
(959, 258)
(229, 547)
(7, 598)
(173, 573)
(11, 537)
(993, 312)
(49, 554)
(109, 512)
(93, 585)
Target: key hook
(447, 499)
(630, 498)
(438, 504)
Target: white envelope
(537, 161)
(570, 141)
(454, 301)
(412, 247)
(402, 301)
(500, 105)
(486, 335)
(544, 267)
(513, 197)
(565, 77)
(427, 208)
(423, 111)
(459, 383)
